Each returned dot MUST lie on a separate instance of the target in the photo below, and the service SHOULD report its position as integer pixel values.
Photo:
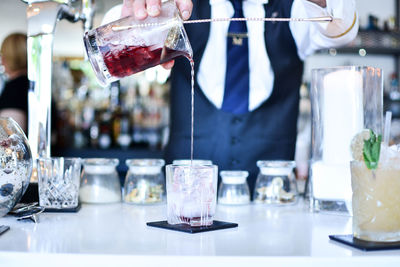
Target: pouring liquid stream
(142, 25)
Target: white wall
(380, 8)
(68, 36)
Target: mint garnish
(371, 150)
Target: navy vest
(236, 142)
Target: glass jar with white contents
(100, 181)
(144, 182)
(233, 189)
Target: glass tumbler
(276, 183)
(233, 189)
(59, 182)
(100, 181)
(127, 46)
(376, 199)
(344, 101)
(144, 182)
(191, 194)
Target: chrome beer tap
(42, 17)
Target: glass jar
(233, 189)
(276, 183)
(144, 182)
(100, 181)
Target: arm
(321, 3)
(313, 36)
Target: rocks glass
(376, 200)
(191, 194)
(59, 182)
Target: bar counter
(116, 235)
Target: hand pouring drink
(128, 46)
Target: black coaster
(76, 209)
(217, 225)
(3, 229)
(350, 240)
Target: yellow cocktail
(376, 201)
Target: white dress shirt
(308, 36)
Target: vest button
(236, 120)
(234, 162)
(234, 140)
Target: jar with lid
(233, 189)
(276, 183)
(100, 181)
(144, 182)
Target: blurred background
(130, 118)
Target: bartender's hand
(142, 8)
(321, 3)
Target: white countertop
(115, 234)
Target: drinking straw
(388, 121)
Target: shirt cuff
(343, 13)
(112, 15)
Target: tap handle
(87, 13)
(69, 13)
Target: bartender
(248, 76)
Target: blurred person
(14, 97)
(248, 75)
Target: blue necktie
(236, 96)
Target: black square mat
(350, 240)
(217, 225)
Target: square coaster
(3, 229)
(76, 209)
(217, 225)
(350, 240)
